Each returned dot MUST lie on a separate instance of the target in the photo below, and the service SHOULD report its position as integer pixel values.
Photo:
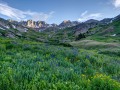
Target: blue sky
(55, 11)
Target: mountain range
(65, 31)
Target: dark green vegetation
(28, 65)
(61, 59)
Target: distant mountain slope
(67, 31)
(112, 29)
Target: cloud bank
(85, 16)
(23, 15)
(116, 3)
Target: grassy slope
(102, 39)
(92, 63)
(89, 44)
(28, 65)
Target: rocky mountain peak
(66, 21)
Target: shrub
(103, 82)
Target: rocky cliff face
(68, 23)
(30, 23)
(42, 25)
(9, 24)
(36, 24)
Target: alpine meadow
(60, 45)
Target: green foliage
(103, 82)
(80, 36)
(29, 65)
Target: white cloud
(116, 3)
(84, 13)
(22, 15)
(85, 16)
